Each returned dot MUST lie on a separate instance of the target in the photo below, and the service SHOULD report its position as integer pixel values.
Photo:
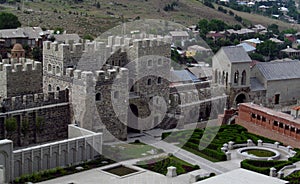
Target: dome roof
(18, 48)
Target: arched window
(49, 87)
(98, 97)
(223, 77)
(49, 68)
(243, 78)
(226, 79)
(236, 77)
(159, 80)
(116, 94)
(149, 82)
(57, 70)
(57, 88)
(150, 62)
(159, 61)
(216, 76)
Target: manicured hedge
(293, 178)
(220, 156)
(225, 133)
(263, 167)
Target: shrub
(262, 166)
(11, 124)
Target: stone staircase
(292, 169)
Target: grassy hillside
(85, 18)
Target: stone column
(249, 142)
(260, 143)
(277, 144)
(228, 155)
(289, 149)
(171, 172)
(273, 172)
(280, 174)
(230, 145)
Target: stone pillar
(249, 142)
(225, 146)
(277, 144)
(280, 174)
(171, 172)
(6, 160)
(272, 172)
(289, 149)
(230, 145)
(260, 143)
(228, 155)
(223, 149)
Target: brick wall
(268, 123)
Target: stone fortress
(114, 87)
(91, 70)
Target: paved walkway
(184, 155)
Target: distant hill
(96, 16)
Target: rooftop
(271, 112)
(279, 70)
(247, 47)
(253, 40)
(290, 50)
(65, 37)
(179, 33)
(183, 76)
(22, 32)
(239, 176)
(256, 85)
(236, 54)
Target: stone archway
(240, 98)
(133, 119)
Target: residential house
(247, 47)
(179, 36)
(253, 41)
(290, 52)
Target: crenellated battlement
(108, 74)
(34, 100)
(114, 43)
(23, 65)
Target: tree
(273, 28)
(37, 54)
(88, 37)
(256, 56)
(268, 48)
(9, 21)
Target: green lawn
(261, 153)
(161, 164)
(122, 152)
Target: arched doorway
(133, 119)
(241, 98)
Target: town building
(269, 123)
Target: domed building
(18, 51)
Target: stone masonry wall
(20, 78)
(40, 118)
